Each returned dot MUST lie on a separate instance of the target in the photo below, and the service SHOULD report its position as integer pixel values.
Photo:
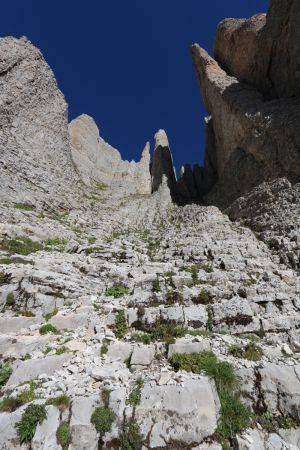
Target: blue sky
(127, 63)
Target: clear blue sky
(127, 63)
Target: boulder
(170, 414)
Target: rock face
(133, 321)
(251, 91)
(99, 163)
(162, 164)
(263, 51)
(34, 137)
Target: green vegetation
(135, 395)
(8, 404)
(61, 350)
(26, 313)
(10, 299)
(117, 291)
(203, 298)
(251, 352)
(63, 435)
(50, 315)
(104, 347)
(105, 393)
(32, 416)
(160, 332)
(62, 402)
(4, 278)
(5, 373)
(48, 328)
(194, 272)
(57, 244)
(24, 207)
(235, 416)
(210, 318)
(141, 337)
(174, 297)
(120, 325)
(21, 246)
(29, 394)
(156, 285)
(131, 438)
(103, 418)
(272, 424)
(91, 240)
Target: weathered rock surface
(125, 285)
(34, 135)
(99, 163)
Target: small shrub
(194, 272)
(104, 348)
(5, 373)
(117, 291)
(10, 299)
(141, 337)
(135, 395)
(120, 325)
(131, 438)
(4, 278)
(63, 435)
(61, 350)
(167, 333)
(32, 416)
(251, 352)
(203, 298)
(103, 418)
(62, 402)
(156, 285)
(92, 240)
(48, 328)
(210, 318)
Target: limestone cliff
(35, 163)
(99, 163)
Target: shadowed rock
(162, 162)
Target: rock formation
(128, 321)
(162, 163)
(250, 90)
(99, 163)
(34, 135)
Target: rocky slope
(127, 321)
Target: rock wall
(35, 161)
(253, 132)
(99, 163)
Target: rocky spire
(162, 162)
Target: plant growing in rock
(62, 402)
(103, 418)
(117, 291)
(5, 373)
(120, 325)
(135, 395)
(235, 417)
(63, 435)
(10, 299)
(131, 438)
(48, 328)
(156, 285)
(21, 246)
(32, 416)
(251, 351)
